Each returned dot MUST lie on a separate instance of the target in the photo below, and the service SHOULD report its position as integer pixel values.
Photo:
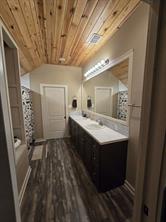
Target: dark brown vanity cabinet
(106, 164)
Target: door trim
(7, 116)
(145, 150)
(42, 86)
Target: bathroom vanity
(103, 151)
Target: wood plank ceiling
(47, 30)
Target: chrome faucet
(99, 122)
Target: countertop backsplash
(115, 125)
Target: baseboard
(21, 195)
(130, 188)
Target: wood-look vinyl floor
(60, 190)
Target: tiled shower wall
(28, 114)
(122, 105)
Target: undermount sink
(94, 126)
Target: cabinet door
(95, 163)
(88, 153)
(113, 165)
(73, 131)
(82, 143)
(77, 137)
(70, 128)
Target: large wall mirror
(108, 92)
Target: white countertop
(104, 135)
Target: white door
(103, 100)
(54, 111)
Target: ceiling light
(99, 64)
(97, 67)
(102, 62)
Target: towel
(74, 103)
(89, 103)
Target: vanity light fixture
(96, 67)
(102, 62)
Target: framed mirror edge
(127, 55)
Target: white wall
(122, 87)
(25, 80)
(54, 74)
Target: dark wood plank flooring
(60, 190)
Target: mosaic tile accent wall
(28, 114)
(122, 105)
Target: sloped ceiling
(120, 71)
(47, 30)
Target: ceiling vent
(95, 38)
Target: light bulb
(102, 62)
(96, 67)
(93, 68)
(99, 64)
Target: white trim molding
(7, 115)
(23, 188)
